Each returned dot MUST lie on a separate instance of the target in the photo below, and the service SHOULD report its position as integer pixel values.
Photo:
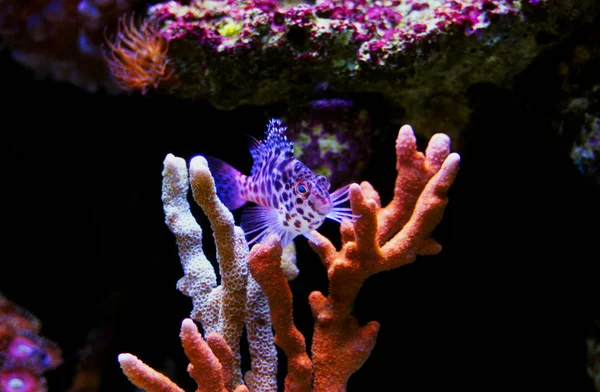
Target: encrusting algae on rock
(420, 58)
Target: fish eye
(302, 189)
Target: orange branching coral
(266, 269)
(137, 58)
(385, 237)
(211, 364)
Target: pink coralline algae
(268, 43)
(24, 355)
(420, 56)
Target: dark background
(506, 305)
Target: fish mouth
(323, 207)
(324, 210)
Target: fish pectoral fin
(258, 222)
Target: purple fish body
(290, 199)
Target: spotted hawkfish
(290, 199)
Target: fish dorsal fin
(274, 144)
(253, 143)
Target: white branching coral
(238, 299)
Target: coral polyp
(24, 355)
(137, 58)
(21, 380)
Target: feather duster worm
(137, 58)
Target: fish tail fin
(227, 181)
